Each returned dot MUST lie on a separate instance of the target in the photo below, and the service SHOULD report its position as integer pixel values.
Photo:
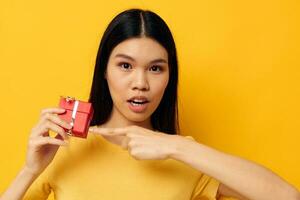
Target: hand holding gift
(71, 118)
(41, 147)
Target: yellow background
(239, 72)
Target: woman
(134, 95)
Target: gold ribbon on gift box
(71, 99)
(68, 98)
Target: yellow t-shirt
(93, 168)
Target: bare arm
(20, 185)
(228, 192)
(40, 152)
(249, 179)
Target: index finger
(108, 131)
(52, 110)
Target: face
(137, 75)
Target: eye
(124, 65)
(156, 68)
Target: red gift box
(78, 113)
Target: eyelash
(159, 67)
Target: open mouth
(137, 103)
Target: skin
(134, 132)
(133, 71)
(137, 72)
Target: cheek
(116, 84)
(159, 87)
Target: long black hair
(135, 23)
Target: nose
(140, 81)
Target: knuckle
(130, 135)
(134, 154)
(31, 137)
(32, 141)
(64, 122)
(47, 115)
(131, 143)
(61, 121)
(44, 112)
(62, 131)
(46, 124)
(42, 118)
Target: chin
(139, 117)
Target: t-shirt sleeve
(39, 189)
(206, 188)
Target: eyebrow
(130, 58)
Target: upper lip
(143, 98)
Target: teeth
(138, 100)
(136, 104)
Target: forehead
(141, 48)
